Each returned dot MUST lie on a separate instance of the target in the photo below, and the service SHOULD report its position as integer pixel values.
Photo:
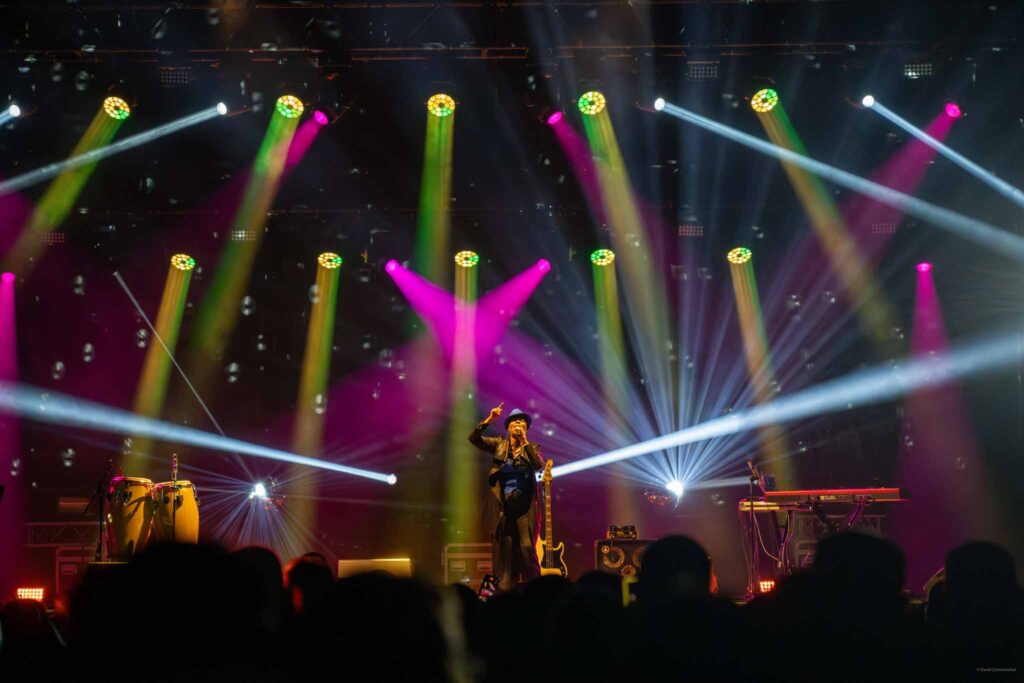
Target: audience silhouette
(197, 613)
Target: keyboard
(803, 499)
(873, 495)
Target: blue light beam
(9, 114)
(875, 385)
(976, 231)
(56, 168)
(37, 405)
(1004, 188)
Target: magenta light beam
(301, 142)
(1004, 188)
(499, 307)
(10, 447)
(577, 151)
(494, 311)
(941, 465)
(434, 304)
(903, 171)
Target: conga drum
(176, 512)
(129, 514)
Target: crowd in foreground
(199, 613)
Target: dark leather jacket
(499, 446)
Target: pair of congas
(138, 510)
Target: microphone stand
(752, 579)
(98, 496)
(755, 478)
(175, 498)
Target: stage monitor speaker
(620, 557)
(396, 566)
(467, 563)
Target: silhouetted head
(309, 584)
(393, 624)
(979, 568)
(600, 583)
(261, 562)
(857, 560)
(674, 565)
(25, 624)
(318, 558)
(260, 571)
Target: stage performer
(512, 481)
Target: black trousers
(513, 550)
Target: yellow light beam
(612, 349)
(848, 262)
(60, 196)
(463, 463)
(151, 391)
(312, 401)
(759, 364)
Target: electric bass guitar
(552, 557)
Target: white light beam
(35, 404)
(1004, 188)
(56, 168)
(867, 387)
(976, 231)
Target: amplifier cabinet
(620, 557)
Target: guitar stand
(856, 511)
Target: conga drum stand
(98, 495)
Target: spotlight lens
(7, 277)
(289, 106)
(320, 117)
(183, 262)
(764, 100)
(116, 108)
(467, 259)
(329, 260)
(659, 104)
(924, 267)
(14, 110)
(592, 103)
(441, 105)
(391, 266)
(554, 118)
(953, 110)
(675, 487)
(392, 479)
(543, 265)
(258, 490)
(868, 101)
(602, 257)
(739, 255)
(222, 108)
